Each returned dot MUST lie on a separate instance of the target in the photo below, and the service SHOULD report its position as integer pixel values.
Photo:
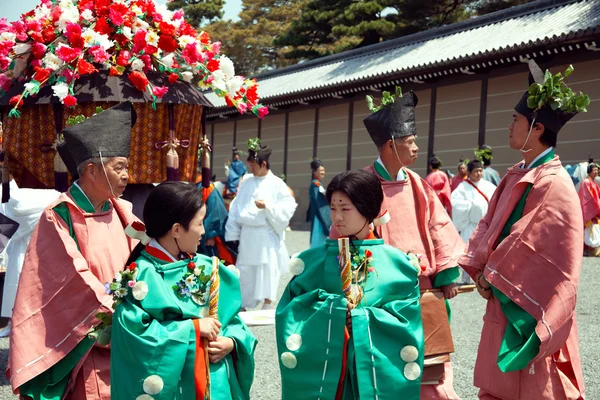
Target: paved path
(466, 326)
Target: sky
(12, 9)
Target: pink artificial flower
(123, 58)
(209, 79)
(68, 74)
(263, 112)
(190, 53)
(56, 13)
(5, 47)
(157, 17)
(4, 82)
(36, 63)
(216, 47)
(38, 50)
(100, 55)
(131, 283)
(72, 29)
(5, 25)
(139, 41)
(242, 108)
(4, 63)
(67, 53)
(147, 62)
(178, 14)
(160, 91)
(33, 25)
(21, 30)
(70, 101)
(371, 269)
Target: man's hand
(219, 348)
(450, 291)
(211, 242)
(209, 328)
(260, 204)
(483, 287)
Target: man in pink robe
(529, 347)
(460, 177)
(78, 246)
(419, 224)
(589, 198)
(439, 182)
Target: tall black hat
(552, 119)
(67, 158)
(315, 164)
(393, 121)
(258, 151)
(107, 133)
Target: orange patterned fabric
(31, 167)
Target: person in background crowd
(525, 257)
(470, 203)
(438, 180)
(234, 173)
(319, 214)
(460, 176)
(258, 217)
(589, 198)
(485, 155)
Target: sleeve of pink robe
(589, 198)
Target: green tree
(199, 12)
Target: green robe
(156, 336)
(312, 313)
(520, 343)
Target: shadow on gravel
(3, 361)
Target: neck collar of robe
(544, 163)
(83, 202)
(161, 261)
(157, 251)
(332, 244)
(385, 175)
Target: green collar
(380, 169)
(543, 160)
(83, 202)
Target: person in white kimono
(25, 207)
(470, 203)
(258, 217)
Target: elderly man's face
(116, 177)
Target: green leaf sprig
(555, 93)
(387, 98)
(482, 154)
(253, 144)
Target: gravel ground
(466, 326)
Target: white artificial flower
(185, 40)
(226, 65)
(187, 76)
(118, 276)
(166, 14)
(197, 271)
(127, 32)
(190, 280)
(87, 15)
(122, 292)
(168, 60)
(140, 290)
(219, 83)
(29, 86)
(7, 37)
(51, 61)
(234, 84)
(139, 24)
(21, 48)
(93, 38)
(42, 12)
(69, 13)
(296, 266)
(136, 10)
(152, 38)
(176, 23)
(137, 65)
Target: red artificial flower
(123, 58)
(103, 27)
(48, 34)
(252, 94)
(150, 49)
(139, 80)
(167, 43)
(70, 101)
(204, 38)
(117, 13)
(157, 17)
(190, 53)
(213, 65)
(139, 41)
(173, 78)
(41, 74)
(187, 29)
(77, 42)
(192, 265)
(423, 268)
(67, 54)
(72, 29)
(121, 39)
(36, 36)
(263, 112)
(56, 13)
(160, 91)
(16, 100)
(368, 253)
(132, 266)
(100, 55)
(228, 101)
(166, 29)
(84, 67)
(5, 47)
(38, 50)
(147, 62)
(115, 72)
(33, 25)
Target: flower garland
(361, 265)
(62, 40)
(193, 284)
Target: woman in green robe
(331, 349)
(162, 336)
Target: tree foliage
(199, 12)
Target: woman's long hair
(168, 204)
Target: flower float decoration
(61, 40)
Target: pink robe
(60, 291)
(589, 198)
(537, 275)
(437, 241)
(455, 181)
(439, 182)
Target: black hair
(435, 163)
(363, 188)
(591, 165)
(548, 137)
(168, 204)
(474, 164)
(258, 160)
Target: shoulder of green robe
(307, 261)
(396, 257)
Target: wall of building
(456, 131)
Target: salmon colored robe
(538, 275)
(455, 181)
(60, 291)
(439, 182)
(589, 198)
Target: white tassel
(532, 369)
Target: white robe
(469, 206)
(262, 253)
(25, 207)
